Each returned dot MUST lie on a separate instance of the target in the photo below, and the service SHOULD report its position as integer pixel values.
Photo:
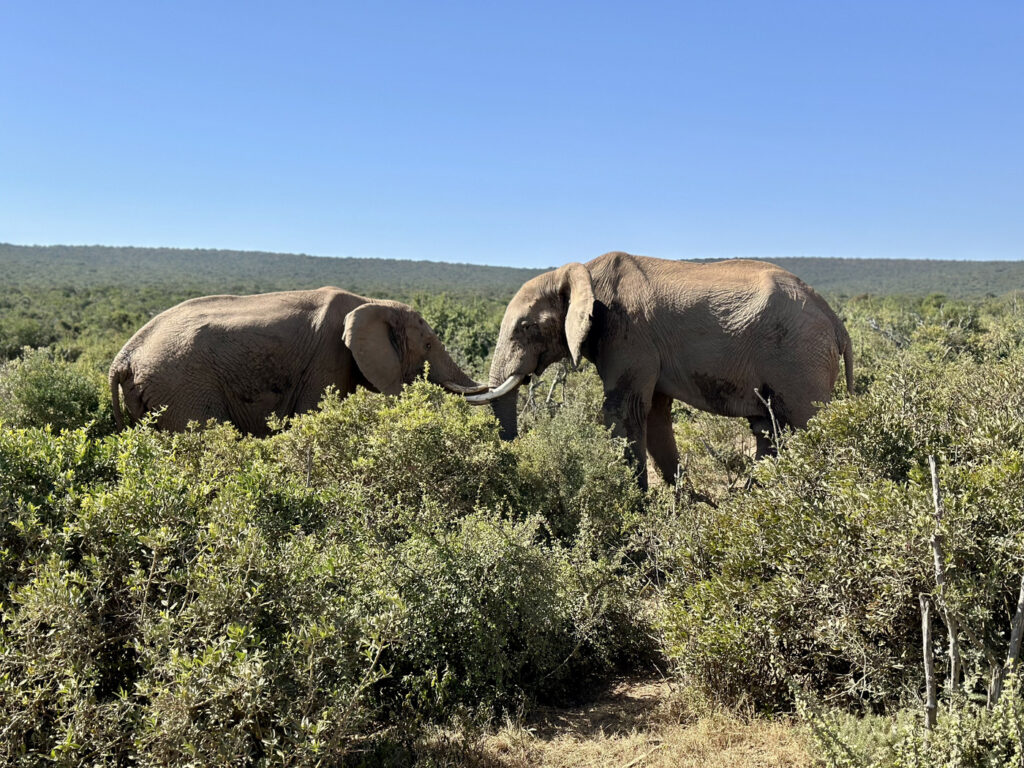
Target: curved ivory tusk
(507, 386)
(458, 389)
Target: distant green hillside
(251, 271)
(86, 266)
(920, 277)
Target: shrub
(572, 473)
(965, 735)
(813, 574)
(155, 619)
(19, 332)
(38, 390)
(467, 328)
(206, 597)
(491, 617)
(400, 451)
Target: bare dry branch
(950, 619)
(930, 702)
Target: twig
(771, 414)
(952, 624)
(930, 702)
(531, 403)
(559, 377)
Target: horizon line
(303, 254)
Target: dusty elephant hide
(242, 359)
(729, 337)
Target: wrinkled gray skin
(658, 331)
(243, 358)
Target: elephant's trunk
(510, 367)
(446, 373)
(505, 411)
(505, 379)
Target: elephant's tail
(118, 373)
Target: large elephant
(726, 337)
(243, 358)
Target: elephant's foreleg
(625, 411)
(661, 440)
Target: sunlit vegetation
(384, 569)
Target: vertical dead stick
(952, 625)
(559, 378)
(530, 404)
(930, 701)
(771, 414)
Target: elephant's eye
(428, 346)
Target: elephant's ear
(371, 333)
(577, 288)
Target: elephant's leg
(625, 411)
(661, 441)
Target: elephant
(242, 359)
(729, 337)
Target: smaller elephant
(729, 337)
(242, 359)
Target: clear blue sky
(519, 133)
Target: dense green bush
(592, 497)
(39, 389)
(468, 328)
(965, 735)
(210, 598)
(384, 563)
(813, 574)
(153, 618)
(422, 446)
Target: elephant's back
(738, 285)
(741, 275)
(253, 310)
(223, 329)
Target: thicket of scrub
(384, 565)
(379, 564)
(806, 589)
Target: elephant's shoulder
(615, 262)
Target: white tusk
(458, 389)
(507, 386)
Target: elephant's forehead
(529, 303)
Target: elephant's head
(546, 321)
(391, 342)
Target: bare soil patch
(634, 723)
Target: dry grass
(634, 724)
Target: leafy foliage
(39, 390)
(206, 597)
(385, 565)
(966, 735)
(815, 571)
